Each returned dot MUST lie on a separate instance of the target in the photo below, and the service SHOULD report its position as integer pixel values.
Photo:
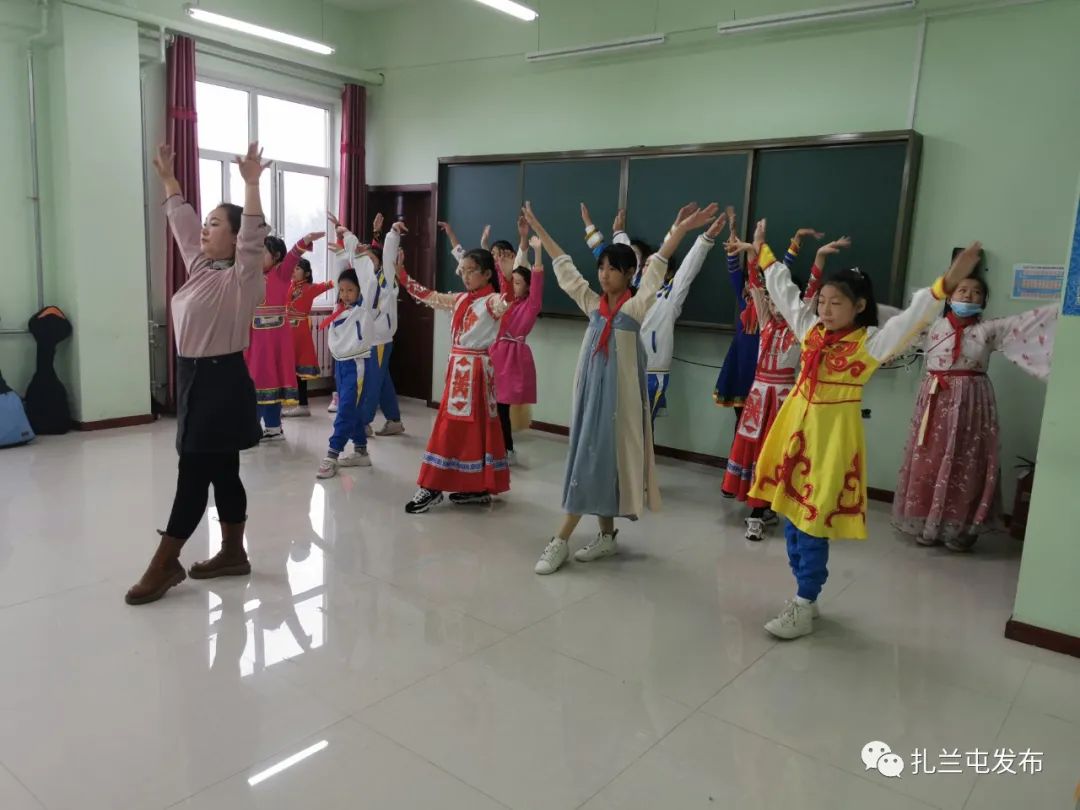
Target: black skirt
(216, 410)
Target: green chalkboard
(556, 190)
(659, 186)
(862, 186)
(854, 190)
(470, 197)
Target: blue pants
(809, 560)
(349, 375)
(270, 415)
(658, 384)
(377, 375)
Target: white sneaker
(360, 458)
(554, 556)
(332, 407)
(273, 435)
(369, 431)
(298, 410)
(327, 468)
(795, 620)
(603, 546)
(755, 529)
(391, 429)
(511, 458)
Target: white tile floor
(417, 662)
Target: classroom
(729, 275)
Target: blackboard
(859, 185)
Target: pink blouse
(212, 311)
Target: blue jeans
(377, 375)
(270, 415)
(809, 560)
(349, 375)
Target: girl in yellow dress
(812, 466)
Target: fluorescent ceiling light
(814, 15)
(599, 48)
(288, 762)
(257, 30)
(513, 9)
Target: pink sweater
(212, 311)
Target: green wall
(1046, 593)
(998, 164)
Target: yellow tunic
(812, 465)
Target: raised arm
(183, 221)
(285, 267)
(571, 281)
(455, 246)
(1027, 339)
(817, 270)
(391, 247)
(692, 264)
(253, 228)
(423, 295)
(800, 315)
(902, 330)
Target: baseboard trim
(119, 422)
(433, 404)
(1041, 637)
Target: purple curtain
(182, 134)
(351, 199)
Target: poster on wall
(1072, 281)
(1038, 282)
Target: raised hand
(251, 165)
(585, 217)
(835, 246)
(963, 265)
(523, 229)
(530, 217)
(376, 226)
(313, 237)
(699, 218)
(804, 232)
(399, 226)
(535, 243)
(717, 226)
(445, 228)
(759, 235)
(684, 212)
(620, 221)
(164, 163)
(485, 236)
(333, 220)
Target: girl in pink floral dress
(949, 489)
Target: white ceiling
(371, 5)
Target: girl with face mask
(949, 489)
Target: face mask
(965, 310)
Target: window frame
(278, 167)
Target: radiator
(322, 350)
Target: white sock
(803, 602)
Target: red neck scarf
(463, 307)
(608, 314)
(959, 325)
(820, 342)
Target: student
(812, 465)
(216, 410)
(658, 328)
(465, 453)
(949, 488)
(515, 371)
(270, 358)
(609, 466)
(349, 340)
(302, 295)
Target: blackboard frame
(909, 183)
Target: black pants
(301, 386)
(504, 420)
(195, 474)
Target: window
(295, 135)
